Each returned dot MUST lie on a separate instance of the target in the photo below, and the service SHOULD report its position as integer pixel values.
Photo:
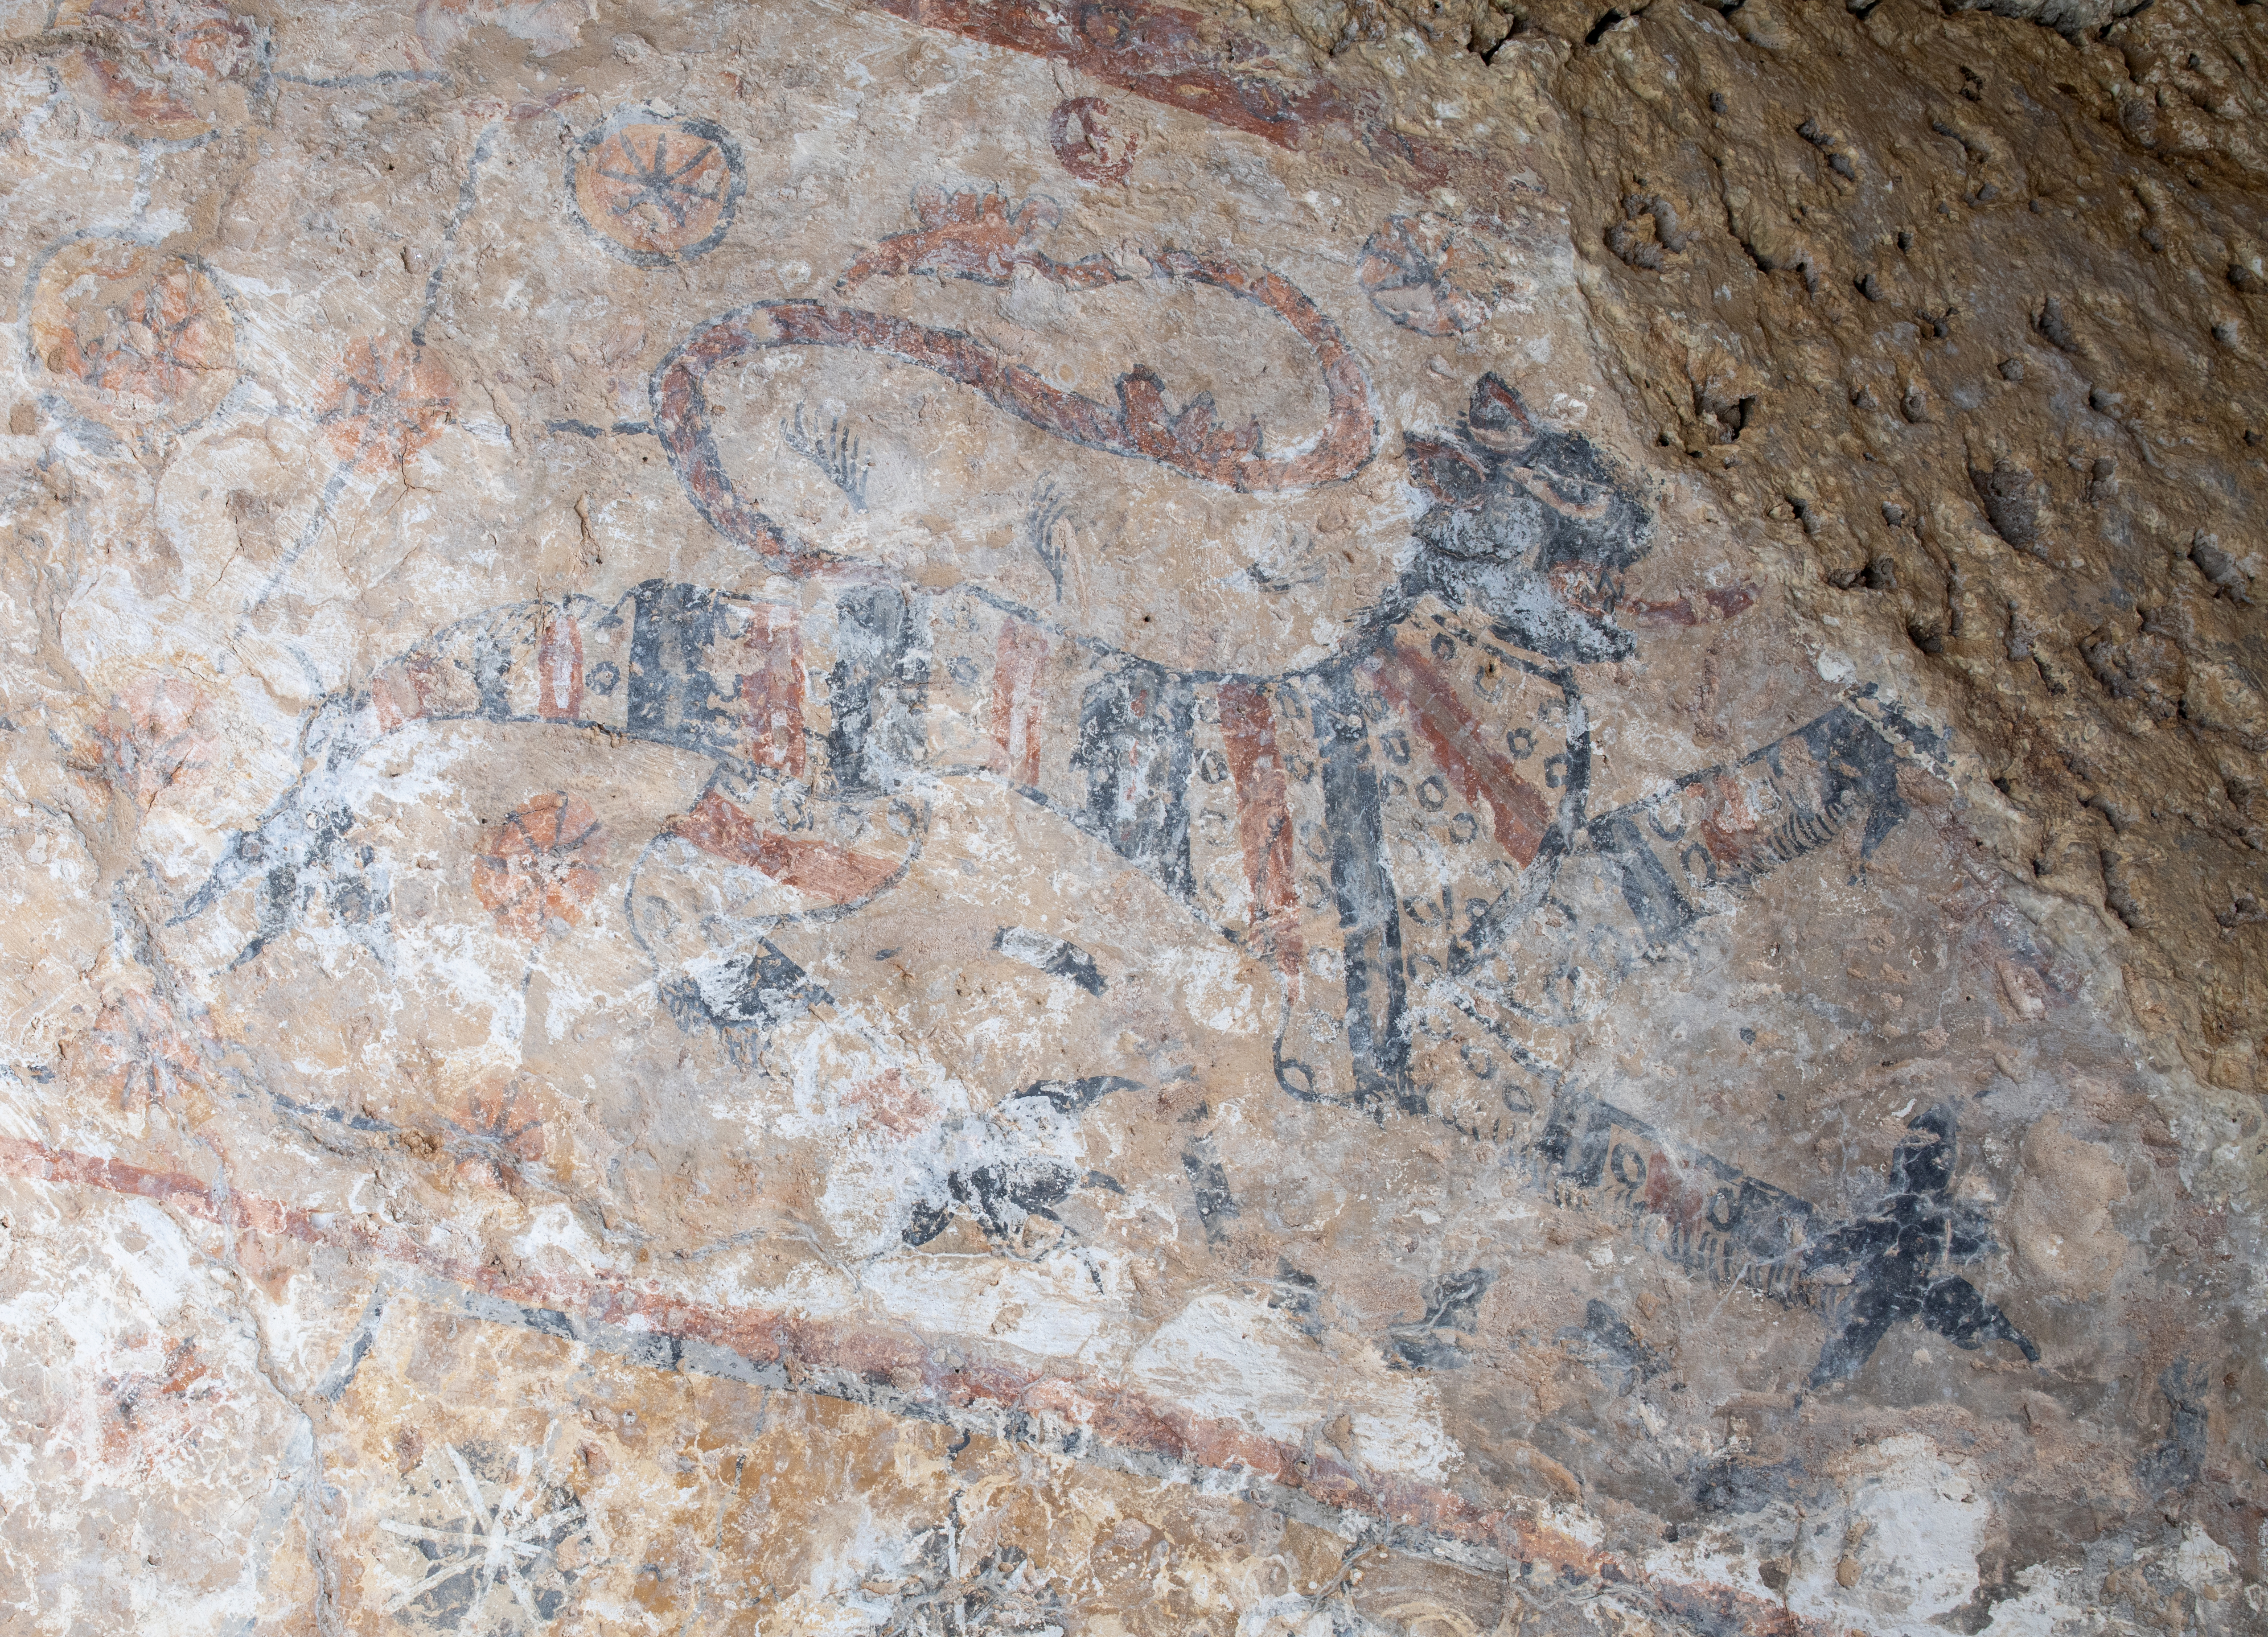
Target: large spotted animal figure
(1368, 825)
(1399, 834)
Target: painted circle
(383, 401)
(1084, 143)
(540, 864)
(132, 335)
(655, 189)
(1433, 275)
(153, 76)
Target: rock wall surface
(1339, 816)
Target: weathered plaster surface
(941, 817)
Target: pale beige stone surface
(948, 816)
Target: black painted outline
(56, 400)
(707, 130)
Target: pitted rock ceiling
(960, 815)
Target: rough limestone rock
(1420, 818)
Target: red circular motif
(144, 335)
(160, 56)
(1088, 148)
(540, 864)
(384, 401)
(655, 189)
(201, 35)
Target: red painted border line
(1161, 53)
(806, 1347)
(1018, 703)
(1521, 817)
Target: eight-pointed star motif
(495, 1565)
(654, 189)
(539, 865)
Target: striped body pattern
(1399, 835)
(1385, 826)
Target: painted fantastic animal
(1401, 807)
(1399, 833)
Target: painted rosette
(154, 75)
(131, 336)
(383, 401)
(540, 866)
(655, 189)
(1433, 275)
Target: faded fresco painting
(925, 818)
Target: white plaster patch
(1050, 1310)
(1235, 1361)
(1910, 1523)
(1212, 993)
(554, 1229)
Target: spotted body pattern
(1383, 830)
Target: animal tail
(527, 661)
